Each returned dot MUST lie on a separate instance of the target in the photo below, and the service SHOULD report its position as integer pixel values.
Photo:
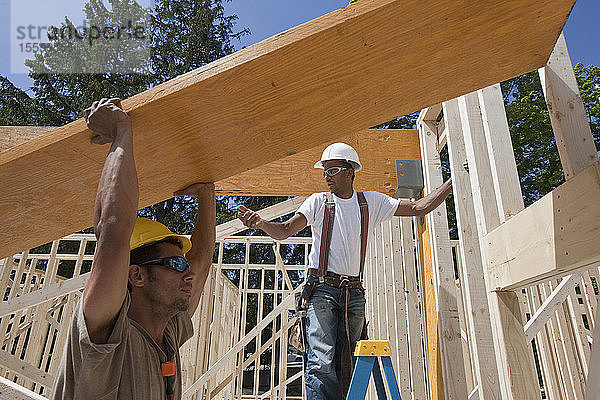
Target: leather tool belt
(335, 280)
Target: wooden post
(445, 290)
(413, 306)
(472, 274)
(569, 121)
(497, 136)
(436, 381)
(514, 357)
(575, 145)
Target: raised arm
(425, 204)
(203, 237)
(114, 218)
(277, 230)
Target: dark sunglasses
(177, 263)
(333, 171)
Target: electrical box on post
(409, 176)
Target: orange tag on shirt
(167, 368)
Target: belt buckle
(344, 280)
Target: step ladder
(367, 353)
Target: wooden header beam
(345, 71)
(556, 235)
(295, 175)
(378, 150)
(11, 136)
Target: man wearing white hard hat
(145, 283)
(334, 298)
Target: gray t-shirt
(127, 366)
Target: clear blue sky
(265, 18)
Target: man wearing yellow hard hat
(144, 286)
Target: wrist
(123, 132)
(206, 195)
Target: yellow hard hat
(147, 231)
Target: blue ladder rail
(367, 353)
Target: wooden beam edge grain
(12, 136)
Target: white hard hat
(340, 151)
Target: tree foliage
(188, 34)
(16, 107)
(537, 157)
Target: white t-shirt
(344, 252)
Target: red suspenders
(328, 228)
(326, 233)
(364, 229)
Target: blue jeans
(326, 337)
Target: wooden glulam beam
(378, 150)
(295, 175)
(347, 70)
(11, 136)
(556, 235)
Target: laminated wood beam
(345, 71)
(295, 175)
(378, 150)
(11, 136)
(556, 235)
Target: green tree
(536, 154)
(187, 34)
(406, 122)
(78, 66)
(588, 80)
(16, 107)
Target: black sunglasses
(177, 263)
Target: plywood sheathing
(345, 71)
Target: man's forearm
(117, 197)
(276, 230)
(434, 199)
(115, 212)
(203, 236)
